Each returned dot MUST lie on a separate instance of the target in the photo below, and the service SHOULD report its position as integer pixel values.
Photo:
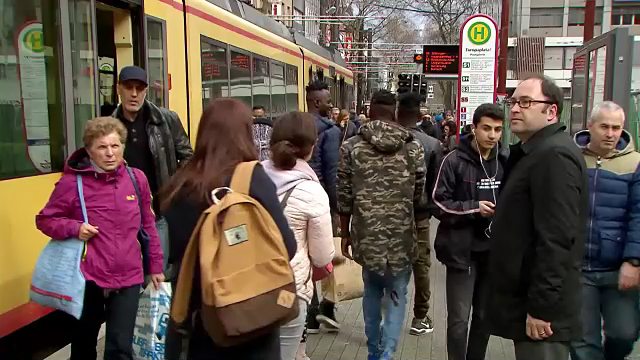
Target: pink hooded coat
(113, 258)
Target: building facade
(543, 18)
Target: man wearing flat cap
(156, 140)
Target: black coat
(460, 184)
(538, 237)
(432, 158)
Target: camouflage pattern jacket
(381, 178)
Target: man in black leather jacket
(156, 140)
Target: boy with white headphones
(466, 194)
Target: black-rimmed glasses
(525, 103)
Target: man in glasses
(538, 230)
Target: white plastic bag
(151, 323)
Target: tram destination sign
(441, 59)
(477, 80)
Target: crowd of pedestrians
(540, 240)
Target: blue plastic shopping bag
(57, 281)
(150, 333)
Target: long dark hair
(225, 139)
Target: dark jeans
(421, 271)
(602, 302)
(467, 290)
(119, 310)
(541, 350)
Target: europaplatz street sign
(478, 61)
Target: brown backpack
(248, 288)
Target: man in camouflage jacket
(381, 178)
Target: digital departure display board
(441, 59)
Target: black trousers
(421, 271)
(541, 350)
(467, 294)
(119, 310)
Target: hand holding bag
(57, 281)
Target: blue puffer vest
(614, 205)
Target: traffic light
(415, 82)
(418, 58)
(423, 89)
(404, 83)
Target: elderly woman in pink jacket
(306, 206)
(113, 261)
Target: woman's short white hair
(605, 106)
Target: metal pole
(504, 46)
(589, 19)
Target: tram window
(627, 19)
(292, 88)
(157, 62)
(215, 76)
(32, 126)
(240, 74)
(278, 91)
(261, 81)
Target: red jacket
(113, 258)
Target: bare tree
(443, 20)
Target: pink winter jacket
(113, 258)
(308, 215)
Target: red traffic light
(418, 58)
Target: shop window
(568, 57)
(32, 125)
(240, 73)
(261, 92)
(215, 75)
(278, 91)
(546, 17)
(553, 58)
(158, 92)
(292, 88)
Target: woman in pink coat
(113, 261)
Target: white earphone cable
(487, 231)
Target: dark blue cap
(133, 73)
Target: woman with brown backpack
(224, 141)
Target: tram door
(601, 71)
(117, 44)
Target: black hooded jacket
(462, 181)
